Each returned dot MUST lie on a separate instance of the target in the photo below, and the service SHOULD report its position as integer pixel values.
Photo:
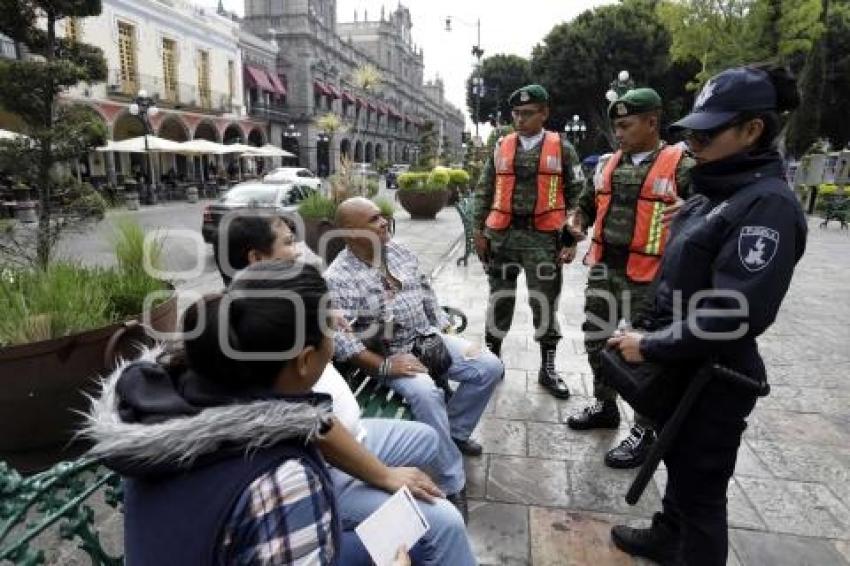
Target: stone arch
(358, 152)
(256, 137)
(405, 154)
(233, 134)
(206, 130)
(379, 152)
(370, 155)
(127, 126)
(173, 128)
(345, 148)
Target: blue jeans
(403, 443)
(477, 377)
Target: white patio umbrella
(7, 135)
(270, 150)
(141, 144)
(204, 147)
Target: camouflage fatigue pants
(543, 279)
(609, 297)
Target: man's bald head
(355, 212)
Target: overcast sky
(507, 26)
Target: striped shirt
(393, 316)
(282, 518)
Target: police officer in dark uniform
(725, 272)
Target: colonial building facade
(321, 60)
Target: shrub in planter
(458, 183)
(423, 195)
(387, 210)
(318, 211)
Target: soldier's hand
(482, 247)
(629, 345)
(671, 211)
(574, 225)
(566, 255)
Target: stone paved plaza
(541, 494)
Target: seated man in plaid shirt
(377, 285)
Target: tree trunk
(45, 237)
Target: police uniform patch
(524, 96)
(621, 109)
(705, 94)
(757, 246)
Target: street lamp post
(292, 134)
(619, 86)
(575, 129)
(143, 107)
(477, 52)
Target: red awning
(258, 78)
(333, 91)
(382, 108)
(361, 102)
(371, 105)
(274, 79)
(347, 97)
(321, 88)
(393, 112)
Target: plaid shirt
(282, 518)
(388, 319)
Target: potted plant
(63, 326)
(458, 184)
(423, 195)
(387, 210)
(318, 211)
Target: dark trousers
(699, 466)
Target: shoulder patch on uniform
(757, 246)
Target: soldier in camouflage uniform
(621, 269)
(527, 184)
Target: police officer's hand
(405, 365)
(566, 255)
(482, 247)
(402, 558)
(671, 210)
(629, 345)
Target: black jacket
(728, 263)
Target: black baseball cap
(728, 94)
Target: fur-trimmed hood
(146, 421)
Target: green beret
(635, 101)
(529, 94)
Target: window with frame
(169, 69)
(204, 94)
(127, 58)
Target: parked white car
(299, 175)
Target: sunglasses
(703, 138)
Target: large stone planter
(43, 386)
(422, 204)
(314, 230)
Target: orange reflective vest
(550, 209)
(650, 235)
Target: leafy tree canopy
(502, 74)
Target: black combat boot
(659, 542)
(632, 450)
(548, 377)
(602, 414)
(495, 345)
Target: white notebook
(398, 522)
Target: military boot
(658, 543)
(547, 376)
(602, 414)
(632, 450)
(495, 345)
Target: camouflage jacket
(626, 184)
(525, 194)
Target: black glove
(566, 238)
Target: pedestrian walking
(625, 205)
(527, 185)
(735, 244)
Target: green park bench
(61, 495)
(465, 207)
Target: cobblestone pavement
(541, 494)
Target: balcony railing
(175, 95)
(277, 112)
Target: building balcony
(172, 95)
(271, 112)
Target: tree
(836, 100)
(428, 146)
(578, 60)
(501, 74)
(30, 88)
